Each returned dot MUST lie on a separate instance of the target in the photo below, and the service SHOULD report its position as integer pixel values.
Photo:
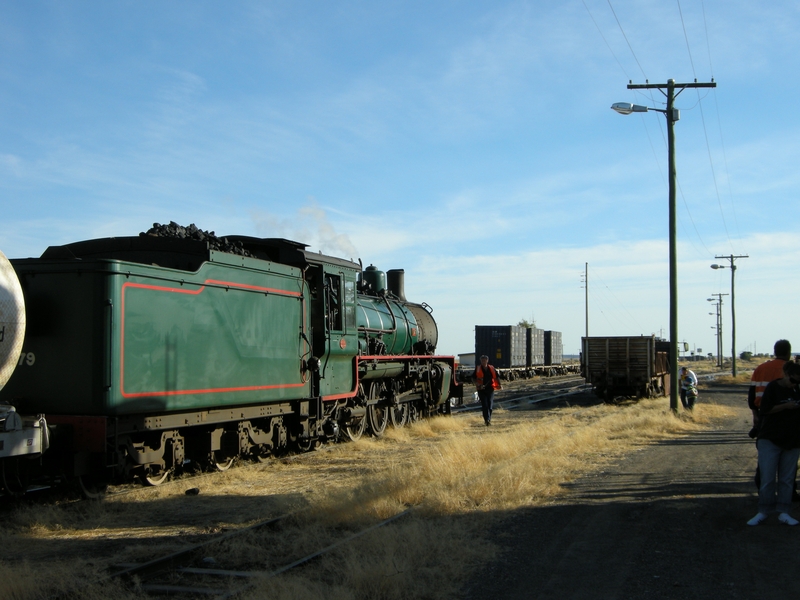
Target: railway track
(173, 574)
(518, 397)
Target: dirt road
(667, 521)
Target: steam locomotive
(145, 354)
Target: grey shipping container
(534, 347)
(553, 348)
(505, 345)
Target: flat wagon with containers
(149, 353)
(519, 352)
(626, 366)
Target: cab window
(333, 293)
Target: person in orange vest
(487, 382)
(762, 375)
(779, 445)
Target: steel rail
(319, 553)
(171, 563)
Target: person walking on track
(487, 382)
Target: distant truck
(625, 366)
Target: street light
(626, 108)
(732, 267)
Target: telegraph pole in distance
(718, 305)
(586, 283)
(732, 259)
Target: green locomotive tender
(146, 353)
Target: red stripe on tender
(249, 388)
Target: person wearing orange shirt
(779, 445)
(763, 375)
(487, 382)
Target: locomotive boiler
(149, 353)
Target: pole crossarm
(732, 257)
(671, 86)
(682, 86)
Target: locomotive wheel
(399, 414)
(305, 445)
(262, 454)
(220, 462)
(378, 417)
(355, 428)
(154, 479)
(91, 488)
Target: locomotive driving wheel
(354, 426)
(414, 414)
(377, 414)
(400, 414)
(354, 429)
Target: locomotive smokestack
(396, 282)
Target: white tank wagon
(21, 437)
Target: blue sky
(470, 143)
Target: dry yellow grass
(741, 377)
(473, 467)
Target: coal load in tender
(192, 232)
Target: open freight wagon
(625, 366)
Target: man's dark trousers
(487, 402)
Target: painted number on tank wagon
(26, 358)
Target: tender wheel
(399, 414)
(150, 478)
(220, 462)
(262, 454)
(92, 488)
